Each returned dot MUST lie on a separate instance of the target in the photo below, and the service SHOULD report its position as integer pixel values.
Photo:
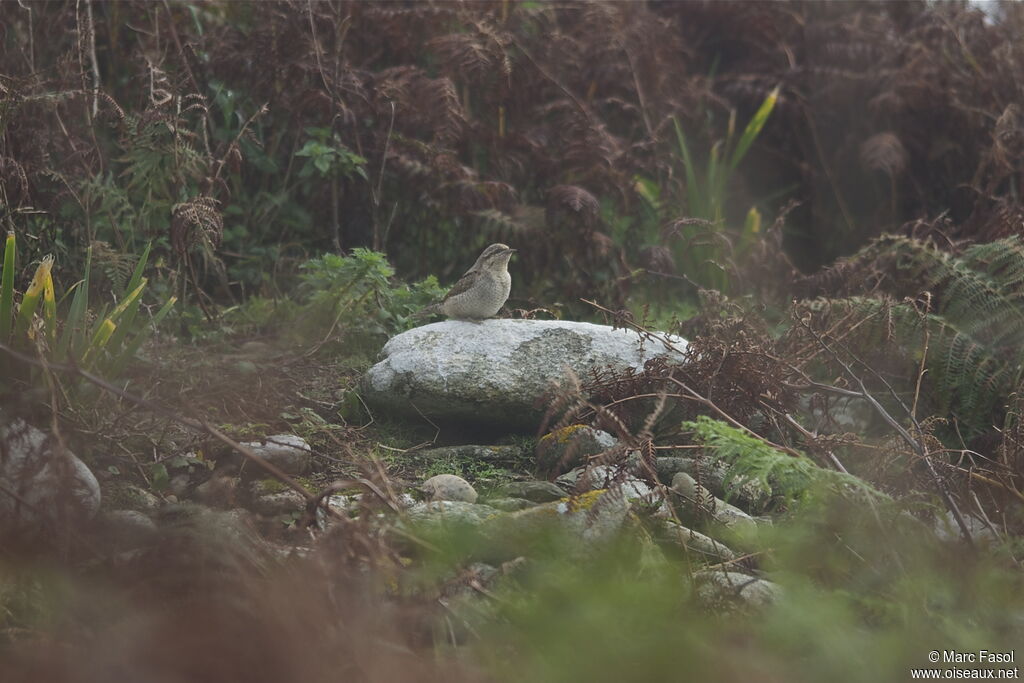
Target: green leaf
(133, 346)
(693, 188)
(131, 308)
(7, 289)
(160, 477)
(74, 337)
(649, 192)
(753, 128)
(30, 300)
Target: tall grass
(707, 187)
(105, 339)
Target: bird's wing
(462, 285)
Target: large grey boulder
(40, 482)
(494, 371)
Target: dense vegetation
(825, 198)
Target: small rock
(42, 481)
(128, 528)
(695, 543)
(205, 542)
(448, 487)
(466, 595)
(450, 512)
(511, 504)
(289, 453)
(246, 367)
(583, 479)
(132, 497)
(535, 491)
(342, 503)
(274, 504)
(262, 487)
(697, 504)
(218, 491)
(569, 447)
(179, 484)
(459, 585)
(350, 504)
(712, 473)
(589, 519)
(720, 590)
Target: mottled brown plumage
(482, 291)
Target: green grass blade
(140, 267)
(7, 290)
(75, 334)
(133, 346)
(693, 188)
(753, 128)
(50, 313)
(99, 340)
(717, 175)
(751, 228)
(124, 315)
(649, 192)
(127, 323)
(108, 328)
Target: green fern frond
(793, 478)
(975, 330)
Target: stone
(703, 548)
(634, 490)
(289, 453)
(42, 482)
(448, 487)
(727, 591)
(459, 585)
(535, 491)
(569, 447)
(511, 504)
(493, 372)
(712, 473)
(179, 484)
(697, 504)
(274, 504)
(587, 522)
(131, 497)
(450, 513)
(218, 491)
(351, 503)
(128, 528)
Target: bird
(482, 291)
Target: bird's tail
(432, 309)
